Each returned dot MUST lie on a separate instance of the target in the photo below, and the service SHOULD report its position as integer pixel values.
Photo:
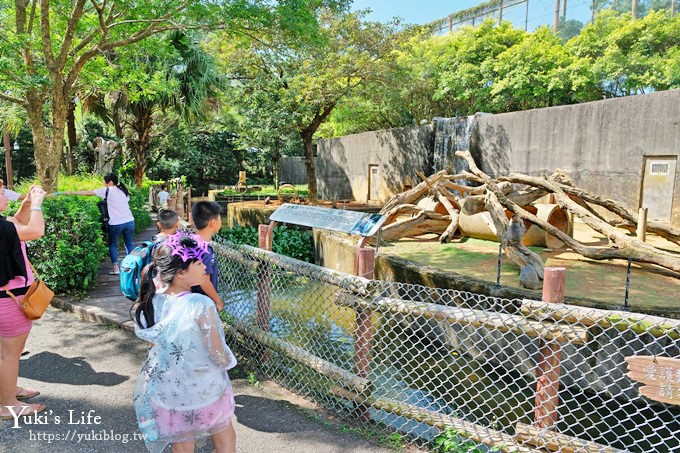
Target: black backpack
(104, 211)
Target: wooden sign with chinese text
(661, 376)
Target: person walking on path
(16, 276)
(121, 220)
(163, 196)
(183, 392)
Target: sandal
(25, 394)
(37, 407)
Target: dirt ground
(652, 289)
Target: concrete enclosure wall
(603, 145)
(292, 170)
(344, 163)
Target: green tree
(180, 75)
(452, 75)
(631, 57)
(305, 78)
(536, 72)
(48, 45)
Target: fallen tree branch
(625, 247)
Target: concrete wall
(343, 163)
(292, 170)
(601, 144)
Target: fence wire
(438, 365)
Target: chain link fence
(439, 368)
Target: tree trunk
(139, 145)
(306, 136)
(72, 138)
(424, 222)
(414, 194)
(276, 160)
(47, 154)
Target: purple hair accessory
(187, 246)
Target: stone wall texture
(602, 145)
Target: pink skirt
(188, 424)
(13, 322)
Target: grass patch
(604, 282)
(268, 191)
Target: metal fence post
(549, 356)
(364, 263)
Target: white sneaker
(115, 271)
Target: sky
(425, 11)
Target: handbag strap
(10, 294)
(36, 278)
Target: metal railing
(425, 364)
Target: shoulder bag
(36, 299)
(104, 211)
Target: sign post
(549, 356)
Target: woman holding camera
(15, 275)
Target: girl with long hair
(183, 392)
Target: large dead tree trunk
(497, 196)
(414, 194)
(623, 246)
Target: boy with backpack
(168, 222)
(208, 221)
(133, 263)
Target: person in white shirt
(163, 196)
(121, 220)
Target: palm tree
(192, 85)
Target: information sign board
(661, 376)
(353, 222)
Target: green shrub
(67, 257)
(450, 441)
(69, 254)
(288, 241)
(139, 197)
(240, 235)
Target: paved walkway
(89, 370)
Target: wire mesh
(432, 364)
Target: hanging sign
(353, 222)
(661, 376)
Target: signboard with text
(353, 222)
(661, 376)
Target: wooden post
(641, 231)
(364, 264)
(264, 275)
(188, 203)
(548, 363)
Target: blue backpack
(131, 268)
